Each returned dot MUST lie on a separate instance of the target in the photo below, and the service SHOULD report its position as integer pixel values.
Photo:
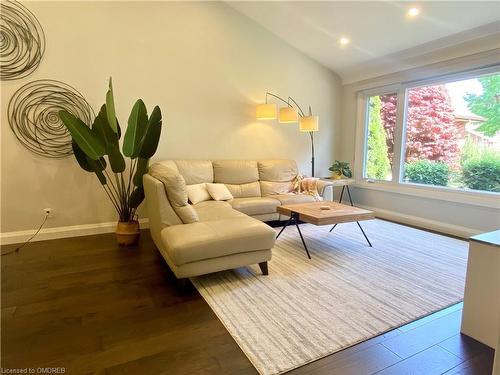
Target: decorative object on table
(22, 42)
(92, 143)
(33, 116)
(292, 113)
(339, 169)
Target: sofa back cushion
(249, 190)
(195, 171)
(235, 171)
(175, 188)
(272, 188)
(169, 164)
(277, 170)
(243, 178)
(277, 176)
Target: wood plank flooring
(94, 308)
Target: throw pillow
(219, 192)
(197, 193)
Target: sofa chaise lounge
(211, 235)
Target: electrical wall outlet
(48, 211)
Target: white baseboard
(63, 232)
(438, 226)
(109, 227)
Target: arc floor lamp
(290, 114)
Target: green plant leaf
(137, 123)
(110, 138)
(116, 159)
(101, 177)
(85, 162)
(89, 142)
(152, 136)
(142, 169)
(97, 167)
(103, 130)
(119, 129)
(136, 197)
(110, 106)
(81, 158)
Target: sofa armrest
(160, 212)
(324, 187)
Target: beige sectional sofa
(218, 235)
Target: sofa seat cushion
(255, 205)
(293, 198)
(216, 210)
(193, 242)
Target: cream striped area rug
(347, 293)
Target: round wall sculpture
(33, 116)
(22, 41)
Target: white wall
(457, 218)
(204, 64)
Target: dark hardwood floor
(94, 308)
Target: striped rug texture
(347, 293)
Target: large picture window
(450, 135)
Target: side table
(344, 182)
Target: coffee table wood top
(338, 213)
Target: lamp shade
(288, 115)
(266, 111)
(309, 124)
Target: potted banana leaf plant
(96, 148)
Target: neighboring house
(467, 125)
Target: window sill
(475, 198)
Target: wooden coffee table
(313, 214)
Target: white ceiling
(376, 28)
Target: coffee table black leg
(282, 229)
(295, 218)
(333, 227)
(301, 237)
(362, 231)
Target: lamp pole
(312, 153)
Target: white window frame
(396, 185)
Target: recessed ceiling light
(413, 12)
(344, 41)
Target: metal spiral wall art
(22, 41)
(33, 116)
